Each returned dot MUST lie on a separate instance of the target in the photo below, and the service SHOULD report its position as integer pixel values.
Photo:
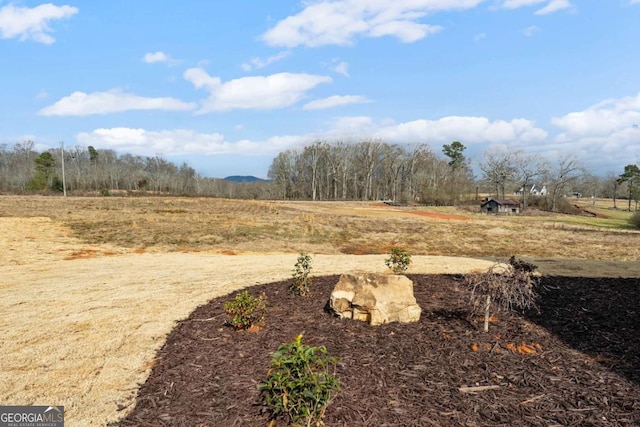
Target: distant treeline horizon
(367, 170)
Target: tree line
(372, 170)
(375, 170)
(88, 170)
(322, 170)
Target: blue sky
(226, 86)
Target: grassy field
(91, 286)
(150, 224)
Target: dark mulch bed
(585, 372)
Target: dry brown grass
(91, 286)
(246, 226)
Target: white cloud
(158, 57)
(606, 132)
(480, 36)
(113, 101)
(182, 142)
(551, 5)
(530, 31)
(515, 4)
(258, 63)
(353, 126)
(609, 117)
(406, 31)
(554, 6)
(335, 101)
(602, 136)
(470, 130)
(634, 1)
(340, 22)
(341, 68)
(605, 136)
(32, 23)
(201, 80)
(41, 95)
(144, 142)
(255, 92)
(151, 58)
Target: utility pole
(64, 181)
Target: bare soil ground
(91, 288)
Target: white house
(534, 190)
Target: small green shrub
(635, 219)
(302, 280)
(299, 385)
(398, 261)
(245, 310)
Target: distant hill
(248, 178)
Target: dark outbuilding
(500, 206)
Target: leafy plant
(398, 261)
(506, 287)
(302, 280)
(245, 310)
(299, 385)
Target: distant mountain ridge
(244, 178)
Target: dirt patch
(440, 216)
(562, 366)
(87, 253)
(228, 252)
(434, 215)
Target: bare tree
(392, 164)
(368, 157)
(417, 161)
(566, 172)
(338, 165)
(23, 165)
(281, 173)
(314, 157)
(498, 167)
(527, 169)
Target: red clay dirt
(423, 213)
(440, 215)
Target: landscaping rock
(375, 298)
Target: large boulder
(375, 298)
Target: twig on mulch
(531, 400)
(208, 319)
(465, 389)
